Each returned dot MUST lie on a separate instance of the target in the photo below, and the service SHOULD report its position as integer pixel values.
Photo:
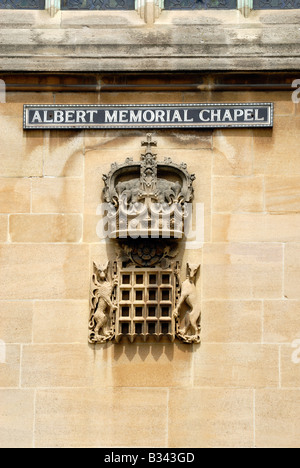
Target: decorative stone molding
(91, 41)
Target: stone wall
(241, 387)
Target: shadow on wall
(149, 349)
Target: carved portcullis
(139, 295)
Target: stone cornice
(122, 41)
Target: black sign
(148, 116)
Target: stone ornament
(138, 295)
(147, 253)
(102, 304)
(188, 309)
(148, 198)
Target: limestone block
(129, 140)
(17, 418)
(237, 365)
(64, 153)
(282, 193)
(231, 321)
(60, 321)
(3, 228)
(276, 152)
(57, 365)
(256, 227)
(277, 418)
(142, 97)
(114, 418)
(77, 98)
(233, 152)
(242, 271)
(210, 418)
(290, 363)
(10, 369)
(292, 271)
(15, 195)
(45, 228)
(44, 272)
(58, 195)
(21, 153)
(238, 194)
(29, 97)
(16, 321)
(281, 321)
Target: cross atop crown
(149, 143)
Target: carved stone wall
(240, 387)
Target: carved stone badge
(139, 294)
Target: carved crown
(148, 198)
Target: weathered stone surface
(41, 229)
(219, 418)
(15, 195)
(237, 365)
(57, 195)
(238, 194)
(242, 271)
(292, 271)
(88, 41)
(16, 321)
(231, 321)
(281, 321)
(44, 272)
(10, 365)
(57, 365)
(275, 428)
(60, 321)
(21, 155)
(283, 194)
(103, 418)
(3, 228)
(256, 227)
(17, 418)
